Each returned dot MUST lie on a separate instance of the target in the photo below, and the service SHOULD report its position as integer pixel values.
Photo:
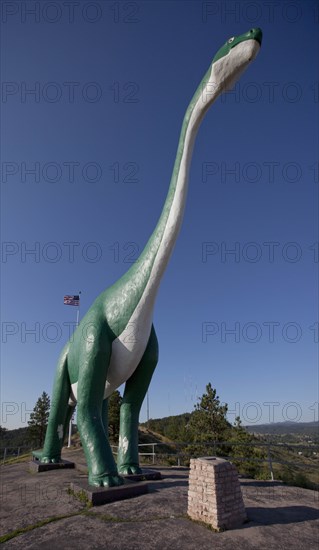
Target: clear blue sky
(111, 83)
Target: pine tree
(39, 419)
(249, 458)
(207, 424)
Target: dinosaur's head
(233, 58)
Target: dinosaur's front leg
(59, 413)
(135, 391)
(92, 375)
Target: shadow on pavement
(280, 515)
(162, 486)
(263, 483)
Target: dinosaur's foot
(129, 469)
(51, 459)
(107, 480)
(46, 457)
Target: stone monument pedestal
(214, 494)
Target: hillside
(173, 427)
(309, 429)
(291, 446)
(15, 438)
(170, 424)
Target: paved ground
(37, 509)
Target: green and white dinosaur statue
(116, 341)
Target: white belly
(127, 351)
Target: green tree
(2, 431)
(39, 419)
(114, 405)
(249, 458)
(208, 424)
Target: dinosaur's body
(115, 341)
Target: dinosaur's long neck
(163, 238)
(141, 282)
(166, 232)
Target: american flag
(71, 300)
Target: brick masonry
(214, 494)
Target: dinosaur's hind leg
(58, 413)
(90, 392)
(135, 391)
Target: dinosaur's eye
(231, 40)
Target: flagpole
(77, 324)
(78, 311)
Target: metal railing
(152, 454)
(13, 452)
(211, 446)
(182, 456)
